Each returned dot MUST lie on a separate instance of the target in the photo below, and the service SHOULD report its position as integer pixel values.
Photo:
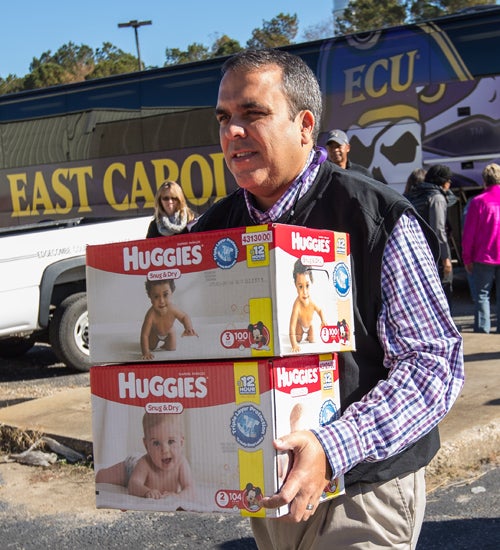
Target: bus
(407, 96)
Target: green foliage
(279, 31)
(318, 31)
(225, 46)
(195, 52)
(11, 84)
(74, 63)
(363, 15)
(110, 60)
(366, 15)
(45, 74)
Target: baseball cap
(338, 136)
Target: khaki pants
(369, 516)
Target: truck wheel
(15, 346)
(69, 332)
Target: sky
(33, 27)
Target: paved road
(461, 517)
(464, 516)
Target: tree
(195, 52)
(110, 60)
(70, 63)
(318, 31)
(421, 10)
(44, 75)
(74, 63)
(224, 46)
(364, 15)
(11, 84)
(279, 31)
(75, 60)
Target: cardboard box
(219, 417)
(232, 294)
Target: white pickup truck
(42, 284)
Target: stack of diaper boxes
(196, 328)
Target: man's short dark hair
(300, 84)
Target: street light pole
(135, 25)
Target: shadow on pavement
(240, 544)
(487, 356)
(461, 534)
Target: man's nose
(235, 129)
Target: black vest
(368, 210)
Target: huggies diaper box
(198, 436)
(261, 291)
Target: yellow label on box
(246, 382)
(261, 326)
(251, 481)
(257, 246)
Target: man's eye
(255, 114)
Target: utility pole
(135, 25)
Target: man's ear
(308, 122)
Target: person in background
(415, 178)
(407, 369)
(338, 147)
(431, 199)
(172, 214)
(481, 248)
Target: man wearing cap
(431, 199)
(338, 147)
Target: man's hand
(307, 479)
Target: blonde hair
(491, 174)
(177, 192)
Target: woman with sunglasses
(172, 214)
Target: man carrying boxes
(407, 368)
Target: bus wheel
(69, 332)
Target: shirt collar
(300, 185)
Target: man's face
(337, 153)
(263, 148)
